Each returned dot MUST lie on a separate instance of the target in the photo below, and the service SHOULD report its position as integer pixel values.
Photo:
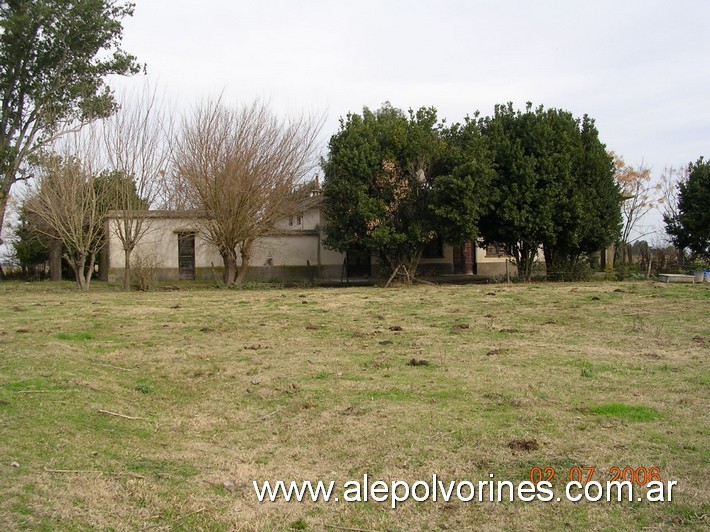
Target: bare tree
(640, 195)
(668, 201)
(244, 166)
(69, 203)
(177, 195)
(136, 145)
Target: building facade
(174, 243)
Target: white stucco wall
(309, 220)
(297, 251)
(160, 241)
(298, 248)
(289, 250)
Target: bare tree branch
(641, 196)
(137, 148)
(246, 168)
(69, 203)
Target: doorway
(359, 263)
(186, 256)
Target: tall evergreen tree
(690, 227)
(54, 56)
(396, 181)
(554, 187)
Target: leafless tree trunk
(55, 259)
(244, 167)
(640, 196)
(136, 141)
(245, 248)
(668, 202)
(229, 259)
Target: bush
(143, 270)
(698, 265)
(569, 270)
(628, 273)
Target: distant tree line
(394, 181)
(530, 180)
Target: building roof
(311, 202)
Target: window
(294, 220)
(495, 250)
(434, 249)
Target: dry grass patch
(236, 386)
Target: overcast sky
(639, 68)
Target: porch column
(468, 252)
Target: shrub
(569, 270)
(628, 273)
(143, 270)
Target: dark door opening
(186, 256)
(465, 259)
(358, 263)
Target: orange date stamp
(585, 474)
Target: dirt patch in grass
(524, 445)
(417, 362)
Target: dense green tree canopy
(554, 186)
(395, 181)
(374, 185)
(528, 179)
(29, 245)
(598, 194)
(690, 228)
(461, 193)
(54, 56)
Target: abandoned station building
(175, 243)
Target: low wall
(255, 273)
(435, 268)
(494, 268)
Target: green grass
(80, 336)
(226, 386)
(144, 387)
(628, 412)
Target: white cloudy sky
(640, 68)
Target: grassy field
(219, 388)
